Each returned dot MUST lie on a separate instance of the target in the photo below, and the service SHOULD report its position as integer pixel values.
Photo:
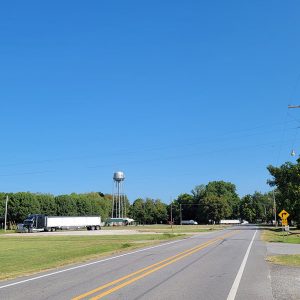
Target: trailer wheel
(92, 227)
(53, 229)
(88, 228)
(98, 227)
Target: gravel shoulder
(285, 280)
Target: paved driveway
(283, 248)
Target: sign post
(284, 222)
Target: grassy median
(276, 235)
(169, 229)
(286, 260)
(2, 231)
(22, 255)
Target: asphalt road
(228, 264)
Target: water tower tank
(119, 176)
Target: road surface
(227, 264)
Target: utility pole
(293, 153)
(180, 215)
(171, 216)
(274, 205)
(5, 216)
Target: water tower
(118, 205)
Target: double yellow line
(137, 275)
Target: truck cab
(34, 222)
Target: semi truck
(38, 222)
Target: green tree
(226, 191)
(286, 179)
(137, 211)
(47, 204)
(150, 211)
(215, 208)
(247, 210)
(21, 205)
(101, 205)
(2, 209)
(83, 204)
(162, 212)
(188, 208)
(199, 193)
(65, 206)
(222, 195)
(257, 208)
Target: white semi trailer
(37, 222)
(230, 222)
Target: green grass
(276, 235)
(7, 231)
(168, 229)
(28, 254)
(287, 260)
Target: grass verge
(168, 229)
(27, 255)
(287, 260)
(2, 231)
(276, 235)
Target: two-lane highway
(228, 264)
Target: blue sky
(173, 93)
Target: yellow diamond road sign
(283, 214)
(284, 222)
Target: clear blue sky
(173, 93)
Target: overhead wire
(157, 159)
(226, 136)
(122, 152)
(287, 114)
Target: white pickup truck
(189, 222)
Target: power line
(151, 149)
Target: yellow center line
(163, 263)
(147, 273)
(134, 273)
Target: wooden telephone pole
(5, 216)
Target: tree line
(20, 205)
(286, 181)
(205, 204)
(209, 204)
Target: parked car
(189, 222)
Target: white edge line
(236, 283)
(89, 264)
